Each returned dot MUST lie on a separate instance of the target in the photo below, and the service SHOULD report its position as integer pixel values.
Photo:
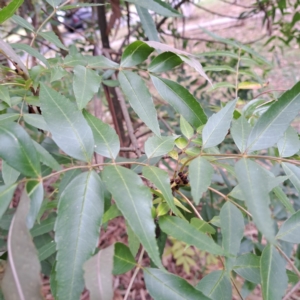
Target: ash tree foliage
(206, 200)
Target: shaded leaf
(164, 62)
(46, 251)
(111, 213)
(9, 174)
(4, 94)
(289, 231)
(106, 140)
(183, 231)
(289, 144)
(162, 285)
(98, 274)
(100, 62)
(51, 37)
(134, 201)
(6, 195)
(86, 83)
(294, 174)
(202, 226)
(123, 259)
(135, 53)
(36, 121)
(8, 117)
(133, 241)
(273, 274)
(240, 131)
(22, 22)
(45, 226)
(157, 146)
(140, 99)
(254, 186)
(216, 285)
(7, 11)
(200, 175)
(271, 126)
(18, 283)
(18, 150)
(181, 100)
(217, 126)
(80, 210)
(281, 196)
(69, 129)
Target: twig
(289, 261)
(292, 291)
(269, 91)
(138, 267)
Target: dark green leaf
(46, 251)
(45, 226)
(254, 185)
(80, 211)
(183, 231)
(134, 201)
(86, 83)
(164, 62)
(6, 194)
(51, 37)
(69, 129)
(271, 126)
(216, 285)
(9, 174)
(202, 226)
(289, 231)
(248, 267)
(162, 285)
(200, 175)
(181, 100)
(111, 213)
(123, 259)
(18, 282)
(98, 274)
(289, 144)
(273, 274)
(240, 131)
(8, 11)
(133, 241)
(157, 146)
(135, 53)
(18, 150)
(140, 99)
(106, 140)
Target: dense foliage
(220, 178)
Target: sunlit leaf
(181, 100)
(166, 286)
(289, 144)
(217, 126)
(186, 129)
(140, 99)
(18, 282)
(289, 231)
(80, 210)
(135, 201)
(69, 129)
(183, 231)
(247, 85)
(202, 226)
(18, 150)
(98, 274)
(273, 274)
(7, 11)
(200, 175)
(240, 131)
(123, 259)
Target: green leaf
(54, 3)
(80, 210)
(31, 51)
(200, 175)
(181, 100)
(147, 23)
(157, 146)
(35, 192)
(123, 259)
(294, 174)
(133, 241)
(289, 144)
(240, 131)
(135, 53)
(100, 62)
(46, 251)
(6, 195)
(186, 129)
(217, 126)
(22, 22)
(219, 69)
(273, 274)
(157, 6)
(18, 282)
(162, 285)
(57, 73)
(140, 99)
(98, 274)
(69, 129)
(232, 228)
(8, 11)
(77, 5)
(183, 231)
(221, 85)
(18, 150)
(134, 200)
(111, 213)
(72, 60)
(216, 286)
(4, 94)
(289, 231)
(51, 37)
(202, 226)
(248, 267)
(106, 140)
(45, 226)
(8, 117)
(164, 62)
(281, 196)
(86, 83)
(162, 181)
(254, 186)
(9, 174)
(271, 126)
(36, 121)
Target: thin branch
(239, 5)
(269, 91)
(236, 288)
(289, 261)
(292, 291)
